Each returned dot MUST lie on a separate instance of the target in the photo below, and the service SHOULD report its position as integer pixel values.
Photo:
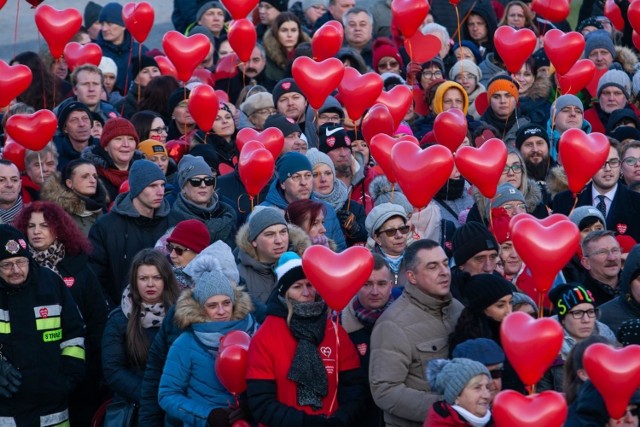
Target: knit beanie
(176, 98)
(256, 102)
(208, 153)
(212, 283)
(380, 214)
(285, 86)
(563, 101)
(191, 166)
(472, 47)
(288, 271)
(332, 136)
(142, 62)
(437, 61)
(438, 107)
(112, 13)
(567, 295)
(471, 238)
(599, 39)
(528, 131)
(199, 29)
(262, 218)
(503, 82)
(205, 7)
(308, 4)
(91, 13)
(465, 66)
(383, 191)
(483, 290)
(287, 126)
(522, 298)
(108, 66)
(67, 109)
(12, 243)
(591, 21)
(291, 163)
(629, 333)
(483, 350)
(383, 47)
(281, 5)
(115, 127)
(331, 104)
(316, 157)
(541, 58)
(450, 377)
(142, 173)
(622, 133)
(578, 215)
(617, 78)
(506, 193)
(151, 147)
(192, 234)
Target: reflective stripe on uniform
(7, 422)
(48, 323)
(57, 419)
(74, 351)
(4, 315)
(5, 326)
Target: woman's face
(224, 49)
(430, 74)
(631, 171)
(511, 176)
(388, 64)
(83, 180)
(515, 16)
(579, 328)
(317, 228)
(39, 234)
(467, 80)
(466, 54)
(476, 396)
(593, 227)
(302, 291)
(224, 125)
(500, 309)
(158, 131)
(322, 179)
(219, 308)
(510, 259)
(180, 256)
(121, 149)
(361, 146)
(201, 194)
(162, 160)
(150, 284)
(395, 244)
(314, 13)
(42, 167)
(60, 68)
(96, 129)
(288, 34)
(525, 78)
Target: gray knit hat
(617, 78)
(142, 173)
(583, 212)
(380, 214)
(522, 298)
(210, 284)
(307, 4)
(191, 166)
(599, 39)
(467, 66)
(381, 192)
(261, 218)
(450, 377)
(209, 5)
(565, 101)
(506, 193)
(316, 157)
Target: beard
(343, 171)
(538, 171)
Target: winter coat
(441, 414)
(588, 410)
(184, 13)
(411, 332)
(400, 276)
(121, 56)
(485, 10)
(624, 307)
(445, 14)
(128, 105)
(599, 120)
(231, 189)
(489, 69)
(277, 59)
(66, 152)
(363, 175)
(189, 387)
(110, 176)
(535, 104)
(117, 237)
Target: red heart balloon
(592, 86)
(483, 166)
(381, 146)
(408, 15)
(241, 423)
(240, 338)
(138, 19)
(242, 38)
(76, 54)
(580, 168)
(450, 128)
(227, 67)
(205, 76)
(615, 373)
(377, 120)
(337, 276)
(545, 249)
(553, 10)
(563, 49)
(359, 91)
(34, 3)
(203, 106)
(166, 66)
(421, 173)
(255, 166)
(635, 38)
(239, 9)
(514, 46)
(14, 79)
(57, 27)
(634, 15)
(398, 101)
(578, 76)
(14, 152)
(612, 11)
(32, 131)
(422, 47)
(547, 222)
(2, 3)
(185, 53)
(317, 79)
(547, 409)
(481, 103)
(327, 41)
(531, 345)
(231, 368)
(271, 138)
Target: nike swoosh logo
(331, 132)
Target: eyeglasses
(388, 65)
(432, 74)
(516, 168)
(496, 374)
(613, 163)
(264, 112)
(634, 412)
(8, 265)
(630, 161)
(390, 232)
(579, 314)
(605, 252)
(179, 251)
(297, 177)
(519, 207)
(197, 182)
(160, 129)
(330, 118)
(465, 77)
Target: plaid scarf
(366, 316)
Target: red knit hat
(500, 225)
(626, 242)
(384, 47)
(115, 127)
(192, 234)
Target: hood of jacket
(534, 195)
(541, 88)
(627, 58)
(557, 181)
(631, 267)
(275, 196)
(189, 312)
(123, 205)
(298, 240)
(55, 191)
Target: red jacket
(442, 414)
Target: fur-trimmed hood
(557, 181)
(541, 88)
(54, 191)
(298, 240)
(189, 312)
(274, 50)
(627, 59)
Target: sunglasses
(197, 182)
(390, 232)
(179, 251)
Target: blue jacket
(120, 55)
(554, 137)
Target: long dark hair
(571, 381)
(142, 121)
(39, 94)
(155, 96)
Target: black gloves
(10, 378)
(348, 222)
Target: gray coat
(624, 307)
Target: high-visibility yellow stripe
(48, 323)
(5, 328)
(74, 351)
(64, 424)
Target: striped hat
(288, 271)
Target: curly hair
(60, 223)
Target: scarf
(501, 125)
(115, 177)
(367, 316)
(96, 202)
(337, 197)
(8, 215)
(151, 315)
(307, 326)
(184, 280)
(474, 420)
(427, 223)
(51, 256)
(452, 190)
(394, 262)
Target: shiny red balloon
(57, 27)
(241, 423)
(166, 66)
(377, 120)
(138, 19)
(553, 10)
(271, 138)
(227, 67)
(76, 54)
(634, 15)
(240, 338)
(483, 166)
(34, 3)
(242, 38)
(547, 222)
(450, 128)
(327, 41)
(635, 38)
(421, 173)
(239, 9)
(545, 249)
(185, 53)
(381, 146)
(124, 187)
(14, 152)
(592, 86)
(2, 3)
(547, 409)
(32, 131)
(408, 15)
(514, 46)
(205, 76)
(398, 101)
(359, 91)
(14, 79)
(231, 368)
(308, 74)
(203, 106)
(422, 47)
(580, 168)
(615, 373)
(337, 276)
(255, 166)
(563, 49)
(612, 11)
(578, 77)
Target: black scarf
(452, 190)
(96, 202)
(501, 125)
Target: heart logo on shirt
(326, 351)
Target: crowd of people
(129, 246)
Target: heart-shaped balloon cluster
(231, 363)
(317, 79)
(203, 106)
(185, 53)
(271, 138)
(381, 146)
(32, 131)
(547, 409)
(378, 120)
(255, 167)
(483, 166)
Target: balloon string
(251, 201)
(15, 30)
(140, 61)
(459, 34)
(540, 302)
(238, 203)
(336, 323)
(184, 98)
(40, 165)
(126, 77)
(575, 202)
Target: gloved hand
(10, 378)
(412, 69)
(218, 417)
(241, 412)
(348, 222)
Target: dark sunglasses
(179, 251)
(390, 232)
(496, 374)
(197, 182)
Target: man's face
(146, 74)
(292, 106)
(298, 186)
(570, 117)
(452, 98)
(535, 150)
(431, 274)
(267, 13)
(10, 185)
(602, 58)
(213, 19)
(271, 243)
(482, 262)
(14, 271)
(88, 88)
(152, 195)
(607, 176)
(477, 28)
(78, 126)
(255, 65)
(603, 259)
(42, 167)
(294, 142)
(503, 104)
(358, 31)
(113, 33)
(337, 8)
(612, 98)
(341, 157)
(376, 292)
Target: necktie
(601, 206)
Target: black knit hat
(142, 62)
(66, 108)
(332, 136)
(285, 86)
(176, 97)
(483, 290)
(12, 243)
(567, 295)
(528, 131)
(471, 238)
